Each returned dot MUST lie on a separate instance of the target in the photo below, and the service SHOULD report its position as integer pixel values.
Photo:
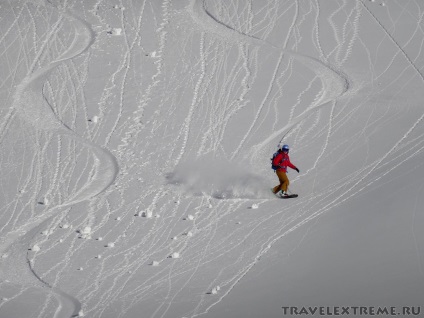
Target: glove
(296, 169)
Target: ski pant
(284, 181)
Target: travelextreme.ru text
(352, 310)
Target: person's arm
(289, 164)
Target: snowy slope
(135, 144)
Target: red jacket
(282, 160)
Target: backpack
(272, 161)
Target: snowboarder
(281, 161)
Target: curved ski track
(335, 84)
(213, 241)
(31, 105)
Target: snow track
(191, 97)
(31, 104)
(334, 83)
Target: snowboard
(290, 196)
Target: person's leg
(284, 181)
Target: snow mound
(175, 255)
(115, 31)
(45, 201)
(94, 119)
(85, 233)
(215, 290)
(145, 214)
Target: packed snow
(135, 146)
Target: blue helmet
(285, 148)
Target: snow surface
(135, 144)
